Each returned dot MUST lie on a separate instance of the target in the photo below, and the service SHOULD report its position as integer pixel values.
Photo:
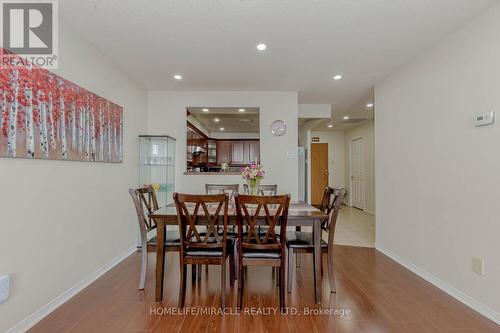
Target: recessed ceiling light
(261, 46)
(205, 110)
(244, 120)
(222, 128)
(346, 117)
(369, 105)
(178, 77)
(241, 110)
(337, 77)
(330, 126)
(216, 120)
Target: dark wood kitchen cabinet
(253, 151)
(239, 152)
(223, 151)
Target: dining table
(299, 215)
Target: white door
(357, 174)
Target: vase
(253, 186)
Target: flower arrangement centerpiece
(253, 173)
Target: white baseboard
(450, 290)
(44, 311)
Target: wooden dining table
(299, 214)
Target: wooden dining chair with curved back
(256, 249)
(267, 189)
(230, 189)
(145, 203)
(302, 242)
(208, 247)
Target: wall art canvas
(45, 116)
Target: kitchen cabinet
(239, 152)
(253, 152)
(223, 151)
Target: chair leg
(182, 287)
(223, 284)
(331, 277)
(282, 284)
(235, 260)
(199, 272)
(279, 290)
(240, 283)
(231, 269)
(297, 260)
(193, 273)
(291, 256)
(144, 265)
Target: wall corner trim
(45, 310)
(447, 288)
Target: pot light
(369, 105)
(261, 46)
(178, 77)
(337, 77)
(346, 117)
(205, 110)
(222, 128)
(241, 110)
(216, 120)
(330, 126)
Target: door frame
(350, 171)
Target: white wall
(166, 115)
(437, 175)
(315, 110)
(336, 156)
(61, 221)
(366, 131)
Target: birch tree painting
(45, 116)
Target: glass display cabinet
(157, 165)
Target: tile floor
(355, 228)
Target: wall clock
(278, 127)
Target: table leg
(160, 258)
(317, 260)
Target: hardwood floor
(381, 296)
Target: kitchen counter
(212, 173)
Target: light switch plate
(4, 288)
(478, 265)
(484, 119)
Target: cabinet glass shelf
(157, 165)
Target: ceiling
(212, 43)
(231, 119)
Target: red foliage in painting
(38, 99)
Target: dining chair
(302, 242)
(145, 203)
(262, 189)
(231, 189)
(255, 249)
(326, 206)
(209, 247)
(267, 189)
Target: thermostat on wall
(487, 118)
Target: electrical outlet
(4, 288)
(478, 265)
